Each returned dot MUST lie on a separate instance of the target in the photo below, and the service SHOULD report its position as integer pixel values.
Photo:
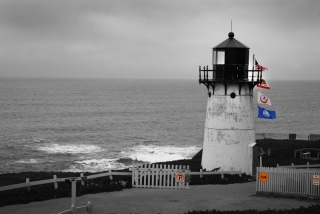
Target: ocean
(97, 124)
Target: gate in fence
(288, 180)
(158, 176)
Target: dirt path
(137, 200)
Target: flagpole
(253, 64)
(253, 67)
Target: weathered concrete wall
(229, 129)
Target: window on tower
(218, 57)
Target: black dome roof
(230, 43)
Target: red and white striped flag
(259, 67)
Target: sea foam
(95, 165)
(31, 161)
(155, 153)
(69, 148)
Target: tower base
(229, 136)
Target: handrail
(110, 173)
(56, 180)
(255, 76)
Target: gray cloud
(153, 39)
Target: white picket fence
(288, 180)
(160, 176)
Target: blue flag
(266, 114)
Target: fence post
(55, 182)
(157, 180)
(188, 177)
(81, 176)
(74, 195)
(110, 174)
(161, 175)
(257, 178)
(154, 178)
(90, 208)
(73, 209)
(201, 173)
(166, 177)
(28, 183)
(181, 184)
(172, 177)
(145, 166)
(133, 175)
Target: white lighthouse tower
(229, 135)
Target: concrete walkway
(138, 200)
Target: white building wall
(229, 129)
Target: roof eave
(230, 43)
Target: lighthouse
(229, 136)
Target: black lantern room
(230, 61)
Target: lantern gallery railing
(229, 74)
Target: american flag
(259, 67)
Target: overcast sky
(155, 39)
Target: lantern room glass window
(218, 57)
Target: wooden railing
(82, 178)
(141, 177)
(55, 180)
